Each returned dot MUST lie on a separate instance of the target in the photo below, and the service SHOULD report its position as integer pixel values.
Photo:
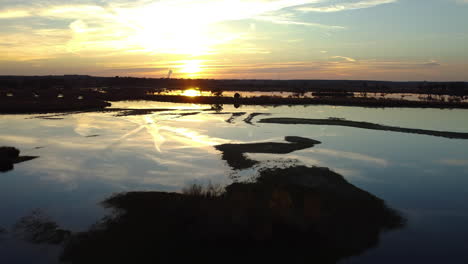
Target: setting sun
(191, 67)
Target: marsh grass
(209, 191)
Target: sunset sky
(255, 39)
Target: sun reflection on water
(191, 92)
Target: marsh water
(83, 158)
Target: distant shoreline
(101, 101)
(45, 94)
(134, 84)
(265, 100)
(22, 106)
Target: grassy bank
(364, 125)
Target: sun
(191, 92)
(191, 67)
(182, 27)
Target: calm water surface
(86, 157)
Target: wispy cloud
(432, 63)
(171, 27)
(287, 21)
(332, 69)
(348, 59)
(404, 65)
(146, 26)
(324, 6)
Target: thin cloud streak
(348, 59)
(345, 6)
(285, 21)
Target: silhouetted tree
(217, 92)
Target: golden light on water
(191, 92)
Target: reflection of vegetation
(248, 119)
(234, 154)
(217, 107)
(179, 115)
(296, 215)
(10, 156)
(234, 115)
(38, 228)
(365, 125)
(91, 136)
(135, 112)
(50, 118)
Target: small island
(10, 156)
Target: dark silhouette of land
(44, 94)
(10, 156)
(25, 106)
(291, 215)
(217, 86)
(364, 125)
(234, 154)
(38, 228)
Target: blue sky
(286, 39)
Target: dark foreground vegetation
(9, 156)
(290, 215)
(23, 94)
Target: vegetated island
(10, 156)
(234, 154)
(364, 125)
(292, 215)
